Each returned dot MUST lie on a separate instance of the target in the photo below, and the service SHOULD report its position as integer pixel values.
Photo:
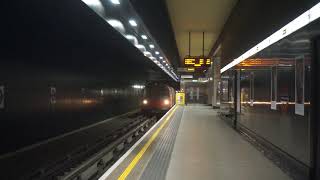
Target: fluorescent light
(157, 52)
(116, 24)
(186, 76)
(315, 12)
(92, 2)
(161, 57)
(137, 86)
(117, 2)
(132, 39)
(140, 47)
(98, 7)
(301, 21)
(147, 54)
(163, 61)
(133, 23)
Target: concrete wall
(62, 68)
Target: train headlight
(145, 101)
(166, 102)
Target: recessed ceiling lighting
(117, 25)
(144, 37)
(140, 47)
(161, 57)
(163, 61)
(132, 39)
(151, 46)
(133, 23)
(157, 52)
(93, 3)
(117, 2)
(147, 54)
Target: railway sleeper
(129, 139)
(98, 166)
(89, 172)
(120, 146)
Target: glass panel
(275, 93)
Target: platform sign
(203, 79)
(187, 76)
(180, 98)
(197, 62)
(1, 97)
(53, 92)
(190, 69)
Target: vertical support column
(251, 88)
(2, 97)
(238, 100)
(235, 100)
(216, 79)
(209, 87)
(274, 88)
(197, 93)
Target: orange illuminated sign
(264, 63)
(197, 62)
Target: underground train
(158, 97)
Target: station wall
(62, 68)
(253, 20)
(275, 93)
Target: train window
(156, 91)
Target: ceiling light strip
(137, 27)
(301, 21)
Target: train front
(158, 97)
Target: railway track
(95, 165)
(89, 160)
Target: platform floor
(196, 144)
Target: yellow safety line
(137, 158)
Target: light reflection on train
(90, 98)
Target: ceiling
(156, 17)
(199, 16)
